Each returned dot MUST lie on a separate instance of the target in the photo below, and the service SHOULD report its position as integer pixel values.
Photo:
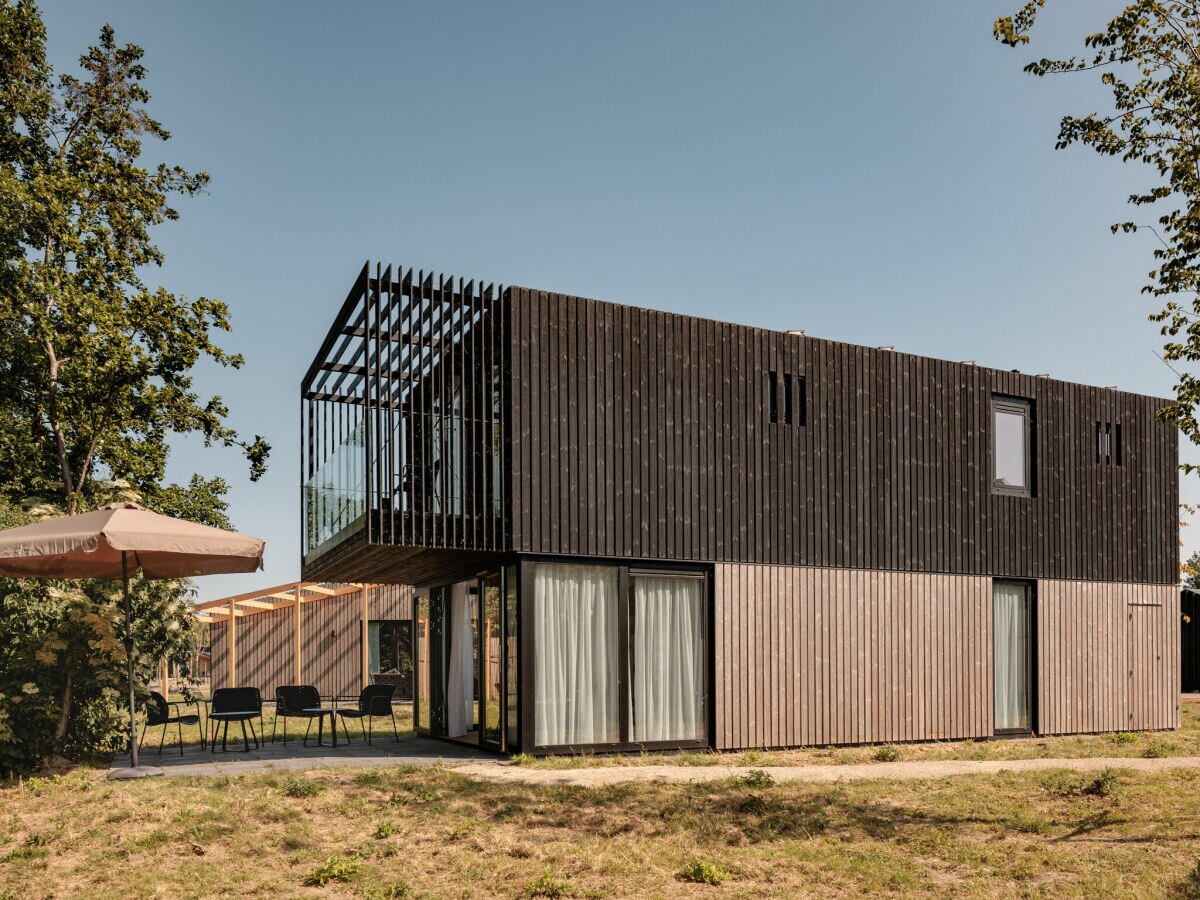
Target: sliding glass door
(620, 657)
(575, 666)
(668, 658)
(1012, 629)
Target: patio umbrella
(116, 541)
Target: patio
(292, 757)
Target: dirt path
(595, 777)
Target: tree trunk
(64, 716)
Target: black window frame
(1024, 408)
(1031, 597)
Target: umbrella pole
(133, 747)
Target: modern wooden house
(691, 533)
(337, 637)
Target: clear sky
(879, 173)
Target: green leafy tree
(96, 373)
(1148, 57)
(1191, 572)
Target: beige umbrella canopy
(115, 542)
(102, 543)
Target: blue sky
(882, 173)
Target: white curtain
(460, 685)
(372, 648)
(575, 657)
(1010, 626)
(668, 659)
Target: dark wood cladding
(645, 434)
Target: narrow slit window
(1099, 444)
(773, 389)
(1108, 454)
(1117, 441)
(787, 398)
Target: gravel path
(595, 777)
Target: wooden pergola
(281, 596)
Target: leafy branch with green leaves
(1148, 57)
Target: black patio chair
(159, 712)
(240, 704)
(375, 700)
(299, 701)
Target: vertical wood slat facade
(816, 656)
(266, 657)
(1108, 657)
(891, 468)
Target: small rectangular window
(773, 389)
(1117, 442)
(787, 398)
(1012, 454)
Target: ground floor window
(575, 660)
(1012, 629)
(668, 659)
(620, 656)
(389, 658)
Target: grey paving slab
(411, 751)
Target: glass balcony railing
(335, 497)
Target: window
(575, 660)
(1012, 453)
(1108, 444)
(792, 402)
(668, 658)
(388, 659)
(1012, 659)
(620, 656)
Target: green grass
(1147, 744)
(1046, 833)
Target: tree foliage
(1148, 57)
(96, 376)
(97, 365)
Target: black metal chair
(158, 712)
(375, 700)
(299, 701)
(241, 704)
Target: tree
(97, 370)
(1191, 572)
(95, 374)
(1148, 56)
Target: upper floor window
(1108, 443)
(1012, 446)
(789, 405)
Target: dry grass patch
(429, 833)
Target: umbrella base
(135, 772)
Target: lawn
(1183, 742)
(396, 832)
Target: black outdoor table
(321, 712)
(228, 717)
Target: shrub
(701, 871)
(296, 786)
(1157, 748)
(1103, 784)
(546, 885)
(757, 778)
(886, 753)
(1124, 737)
(385, 830)
(335, 868)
